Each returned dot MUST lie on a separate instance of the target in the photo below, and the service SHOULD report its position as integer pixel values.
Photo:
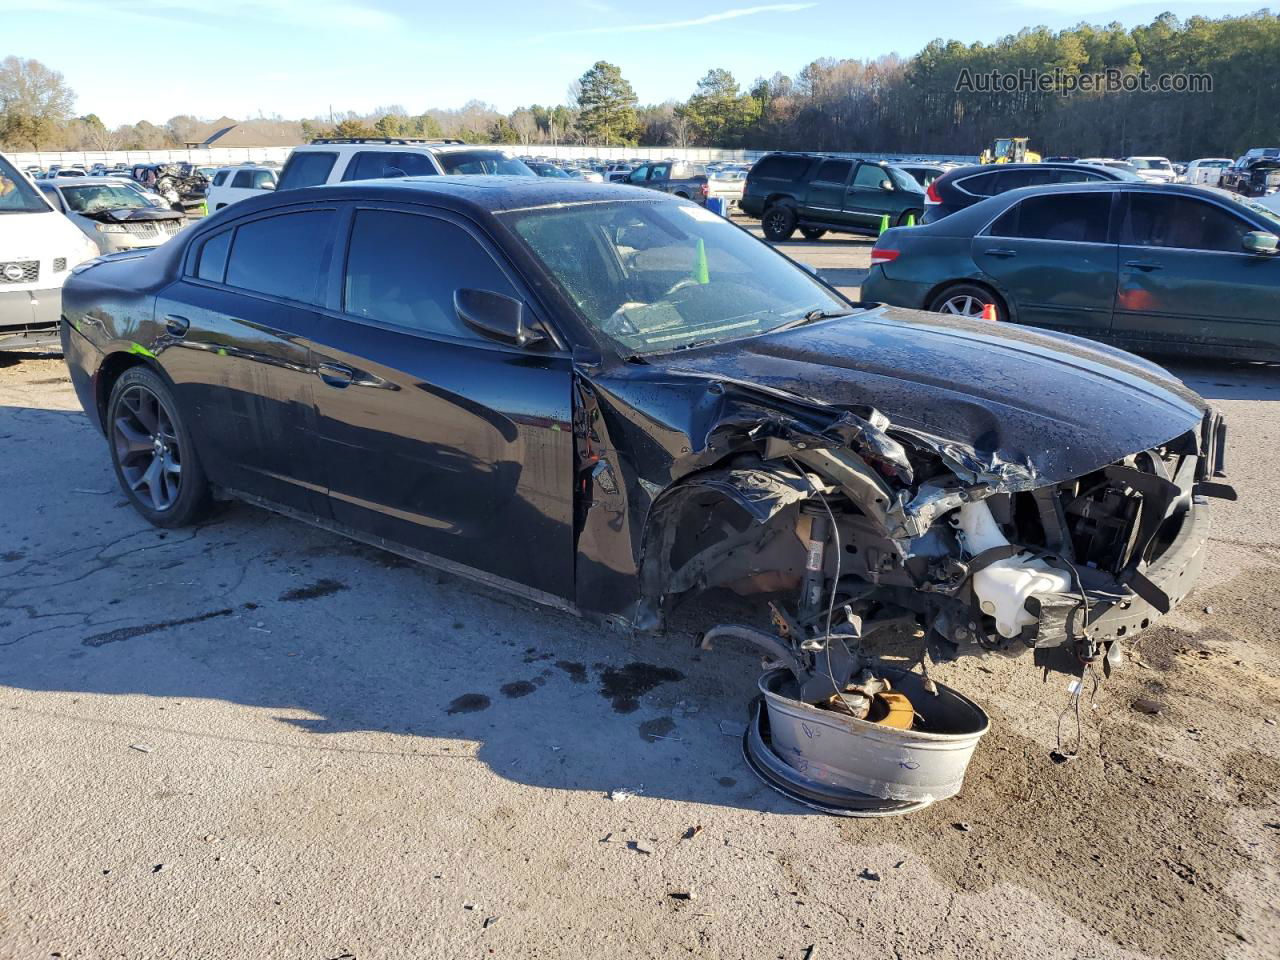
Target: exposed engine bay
(866, 526)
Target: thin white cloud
(1093, 7)
(322, 14)
(734, 14)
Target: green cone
(701, 273)
(884, 222)
(911, 219)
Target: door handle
(1000, 252)
(335, 374)
(1145, 265)
(177, 326)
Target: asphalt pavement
(255, 739)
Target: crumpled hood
(132, 214)
(1058, 405)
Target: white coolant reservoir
(1003, 587)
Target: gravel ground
(254, 739)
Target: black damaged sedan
(609, 402)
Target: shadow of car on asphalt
(330, 638)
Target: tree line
(891, 104)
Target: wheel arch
(995, 291)
(113, 367)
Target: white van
(38, 248)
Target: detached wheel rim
(146, 446)
(963, 305)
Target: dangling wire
(1074, 700)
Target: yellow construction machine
(1010, 150)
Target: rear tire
(967, 300)
(152, 451)
(812, 233)
(778, 223)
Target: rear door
(1049, 254)
(242, 315)
(435, 437)
(1185, 278)
(824, 200)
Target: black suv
(817, 194)
(965, 186)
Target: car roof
(476, 194)
(400, 146)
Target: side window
(243, 179)
(283, 256)
(220, 178)
(1152, 220)
(833, 171)
(403, 269)
(212, 264)
(781, 167)
(1075, 217)
(660, 171)
(1007, 180)
(1074, 176)
(1155, 220)
(980, 185)
(638, 175)
(386, 164)
(306, 169)
(869, 175)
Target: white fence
(218, 156)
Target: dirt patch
(518, 688)
(625, 687)
(321, 588)
(128, 633)
(469, 703)
(577, 672)
(659, 728)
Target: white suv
(238, 183)
(334, 160)
(1155, 169)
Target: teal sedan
(1162, 269)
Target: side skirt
(411, 553)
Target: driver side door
(1185, 277)
(436, 437)
(867, 200)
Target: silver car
(112, 212)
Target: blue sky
(150, 59)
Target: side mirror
(1259, 241)
(886, 185)
(496, 316)
(269, 185)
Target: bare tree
(34, 101)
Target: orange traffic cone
(989, 311)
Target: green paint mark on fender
(141, 351)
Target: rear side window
(403, 269)
(980, 185)
(781, 168)
(1186, 223)
(283, 256)
(385, 164)
(1076, 217)
(213, 257)
(306, 169)
(832, 171)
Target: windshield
(657, 276)
(95, 198)
(1267, 215)
(482, 161)
(903, 180)
(17, 195)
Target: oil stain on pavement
(626, 686)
